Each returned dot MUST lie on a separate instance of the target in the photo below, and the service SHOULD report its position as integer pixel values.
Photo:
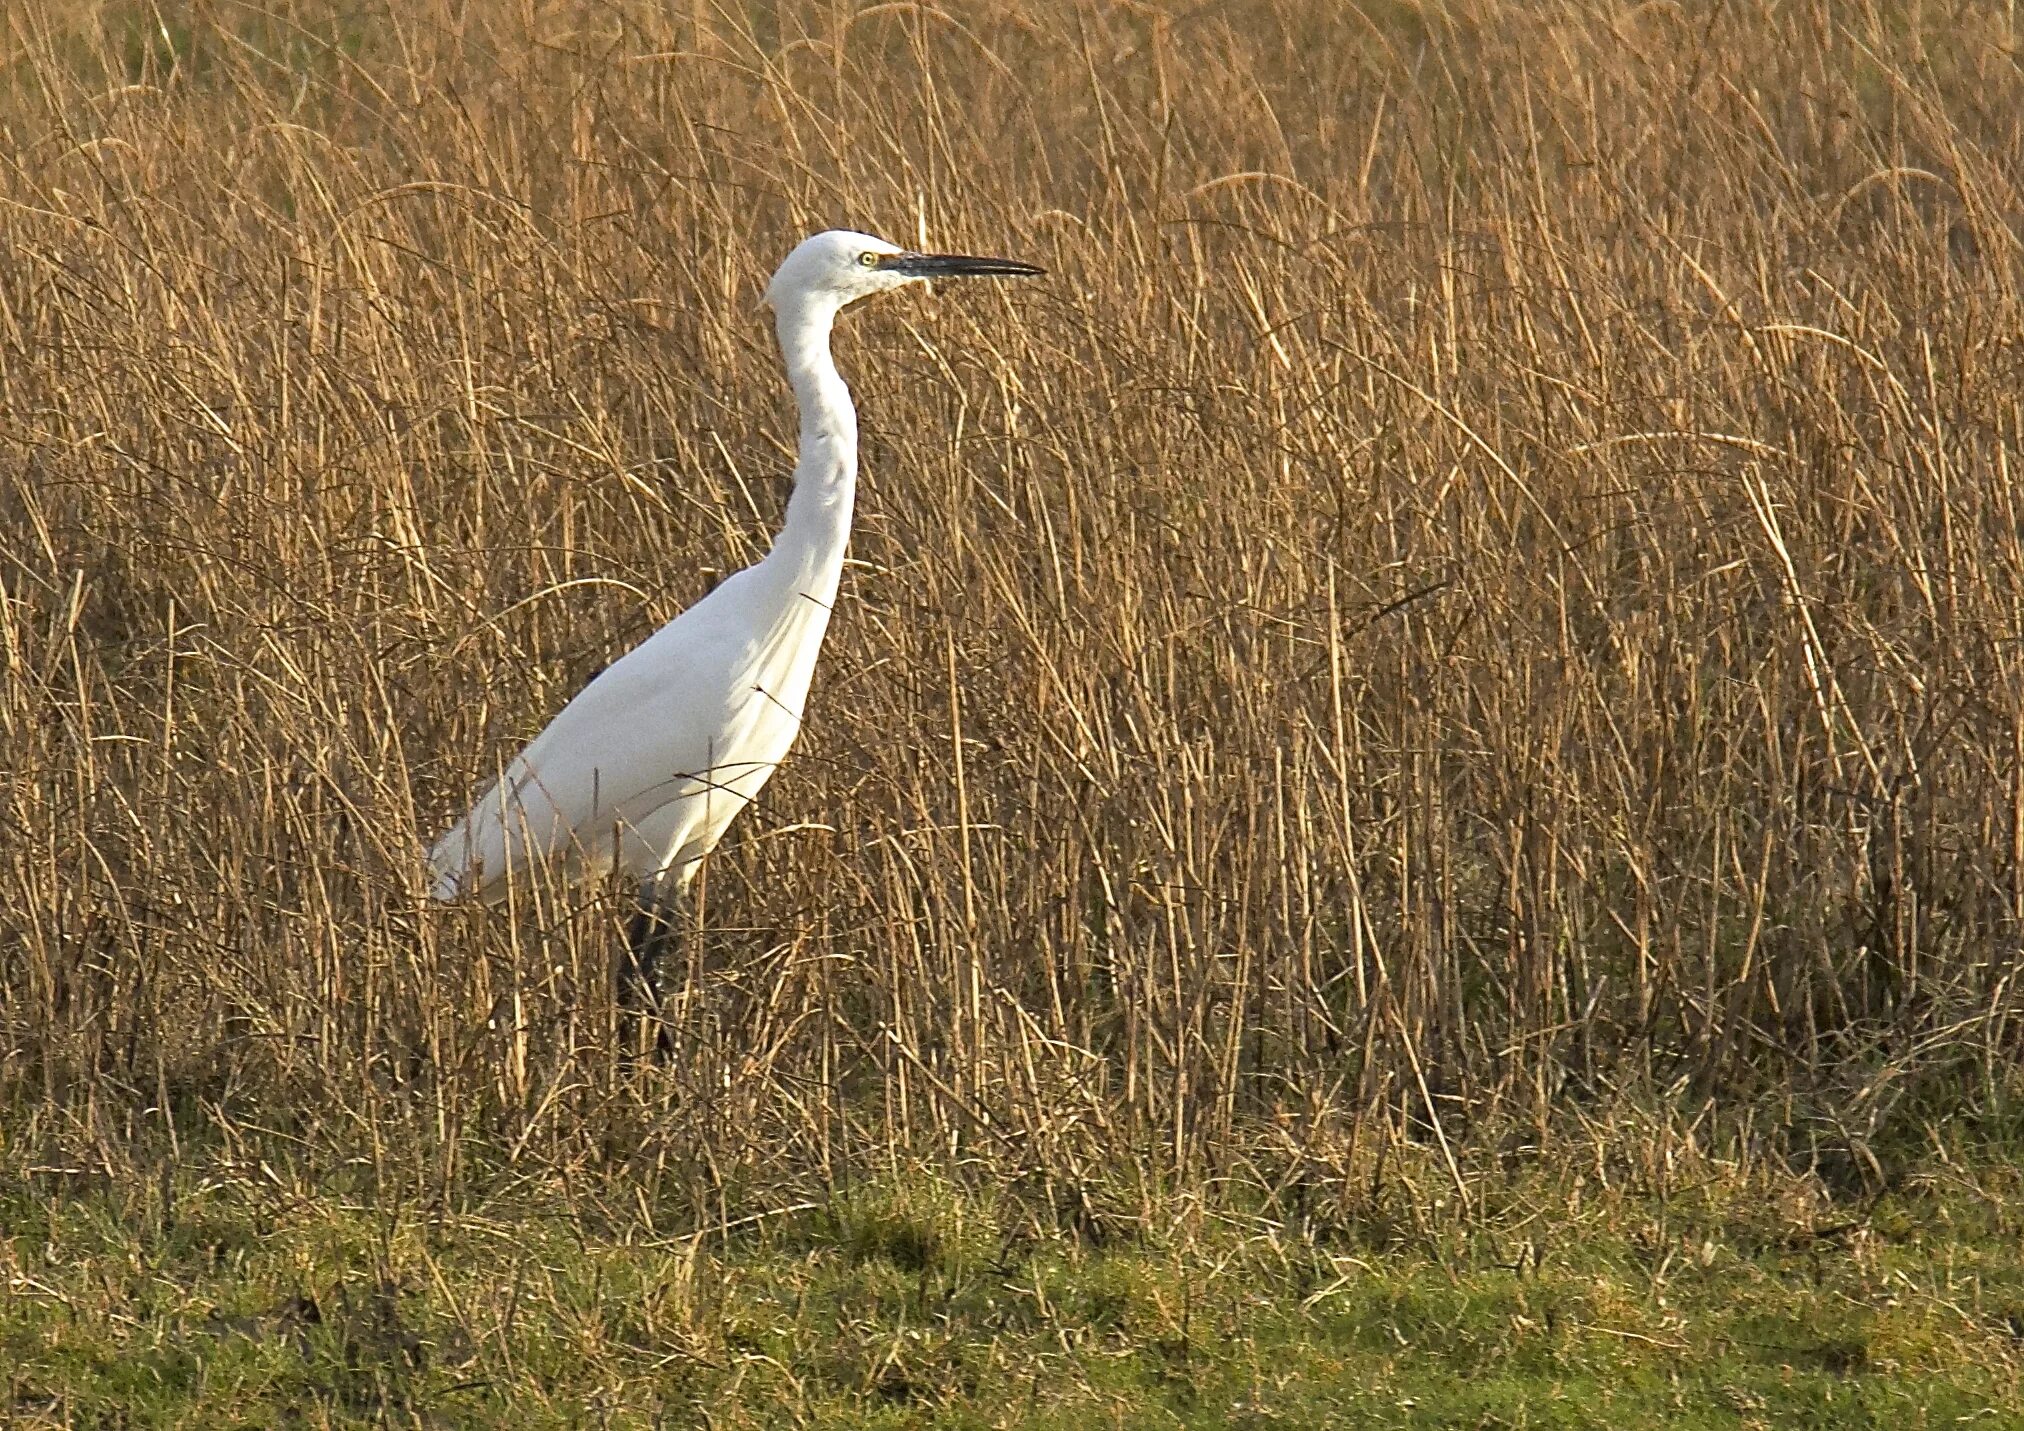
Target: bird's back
(650, 762)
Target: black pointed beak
(955, 265)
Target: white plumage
(648, 765)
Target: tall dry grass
(1485, 589)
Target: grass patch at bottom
(915, 1304)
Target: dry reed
(1485, 589)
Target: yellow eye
(868, 259)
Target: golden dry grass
(1486, 588)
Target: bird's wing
(644, 732)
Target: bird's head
(837, 268)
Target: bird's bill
(955, 265)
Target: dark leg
(650, 934)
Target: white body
(651, 762)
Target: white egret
(648, 765)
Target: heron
(646, 768)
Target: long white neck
(817, 530)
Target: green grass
(237, 1296)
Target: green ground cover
(243, 1296)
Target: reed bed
(1478, 610)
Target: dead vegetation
(1485, 591)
